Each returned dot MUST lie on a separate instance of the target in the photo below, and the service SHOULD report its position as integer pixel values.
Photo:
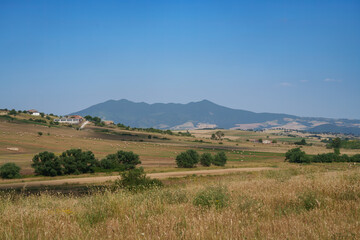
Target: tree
(47, 164)
(217, 135)
(295, 155)
(75, 161)
(121, 160)
(10, 171)
(187, 159)
(40, 134)
(220, 159)
(335, 143)
(88, 118)
(12, 112)
(302, 142)
(42, 114)
(136, 179)
(206, 159)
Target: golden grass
(300, 202)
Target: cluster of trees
(217, 136)
(96, 120)
(76, 161)
(342, 143)
(302, 142)
(190, 158)
(295, 155)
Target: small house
(34, 112)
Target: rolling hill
(206, 114)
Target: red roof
(76, 116)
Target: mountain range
(206, 114)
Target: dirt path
(88, 180)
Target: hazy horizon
(300, 58)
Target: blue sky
(295, 57)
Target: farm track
(91, 180)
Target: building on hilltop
(34, 112)
(73, 119)
(108, 122)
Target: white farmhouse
(34, 112)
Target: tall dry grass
(286, 204)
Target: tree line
(295, 155)
(77, 161)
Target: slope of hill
(203, 114)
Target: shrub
(220, 159)
(9, 171)
(135, 179)
(40, 133)
(309, 200)
(355, 158)
(47, 164)
(302, 142)
(121, 161)
(187, 159)
(75, 161)
(295, 155)
(212, 197)
(206, 159)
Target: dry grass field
(299, 202)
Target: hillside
(203, 114)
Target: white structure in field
(266, 142)
(34, 112)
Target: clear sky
(295, 57)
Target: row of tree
(190, 158)
(295, 155)
(76, 161)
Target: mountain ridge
(203, 114)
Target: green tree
(302, 142)
(295, 155)
(121, 160)
(135, 179)
(335, 143)
(220, 159)
(10, 171)
(42, 114)
(12, 112)
(88, 118)
(47, 164)
(206, 159)
(75, 161)
(40, 134)
(187, 159)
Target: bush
(302, 142)
(295, 155)
(220, 159)
(212, 196)
(75, 161)
(47, 164)
(10, 171)
(355, 158)
(40, 133)
(187, 159)
(120, 161)
(135, 179)
(309, 200)
(206, 159)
